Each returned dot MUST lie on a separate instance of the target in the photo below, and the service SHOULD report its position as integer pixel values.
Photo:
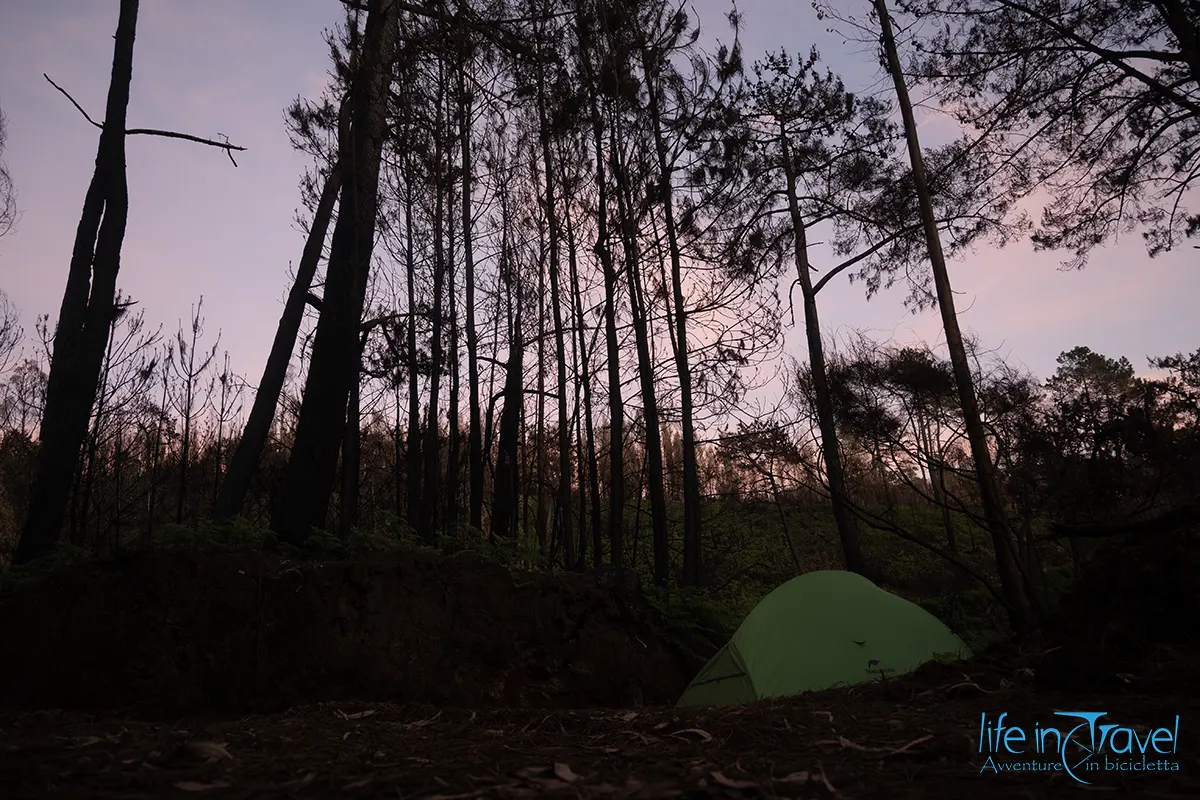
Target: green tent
(819, 630)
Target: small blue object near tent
(817, 631)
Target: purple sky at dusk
(198, 226)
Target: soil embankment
(178, 632)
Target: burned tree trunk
(454, 439)
(474, 429)
(87, 310)
(351, 460)
(428, 519)
(258, 424)
(507, 475)
(412, 450)
(543, 461)
(309, 476)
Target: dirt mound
(172, 633)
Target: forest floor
(916, 736)
(232, 674)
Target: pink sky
(199, 226)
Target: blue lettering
(1041, 742)
(999, 731)
(1163, 737)
(1118, 734)
(1129, 746)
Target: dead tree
(254, 437)
(88, 304)
(309, 477)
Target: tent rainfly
(817, 631)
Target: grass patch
(19, 575)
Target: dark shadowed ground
(414, 676)
(916, 737)
(169, 633)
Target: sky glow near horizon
(198, 226)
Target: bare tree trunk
(454, 443)
(86, 314)
(1011, 579)
(88, 479)
(937, 478)
(397, 456)
(489, 419)
(583, 371)
(185, 453)
(507, 486)
(563, 492)
(581, 469)
(428, 524)
(543, 533)
(507, 478)
(432, 446)
(412, 451)
(474, 430)
(308, 481)
(246, 455)
(639, 493)
(654, 458)
(219, 449)
(847, 524)
(157, 460)
(351, 461)
(118, 477)
(191, 376)
(783, 521)
(692, 549)
(528, 455)
(603, 249)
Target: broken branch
(225, 145)
(72, 99)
